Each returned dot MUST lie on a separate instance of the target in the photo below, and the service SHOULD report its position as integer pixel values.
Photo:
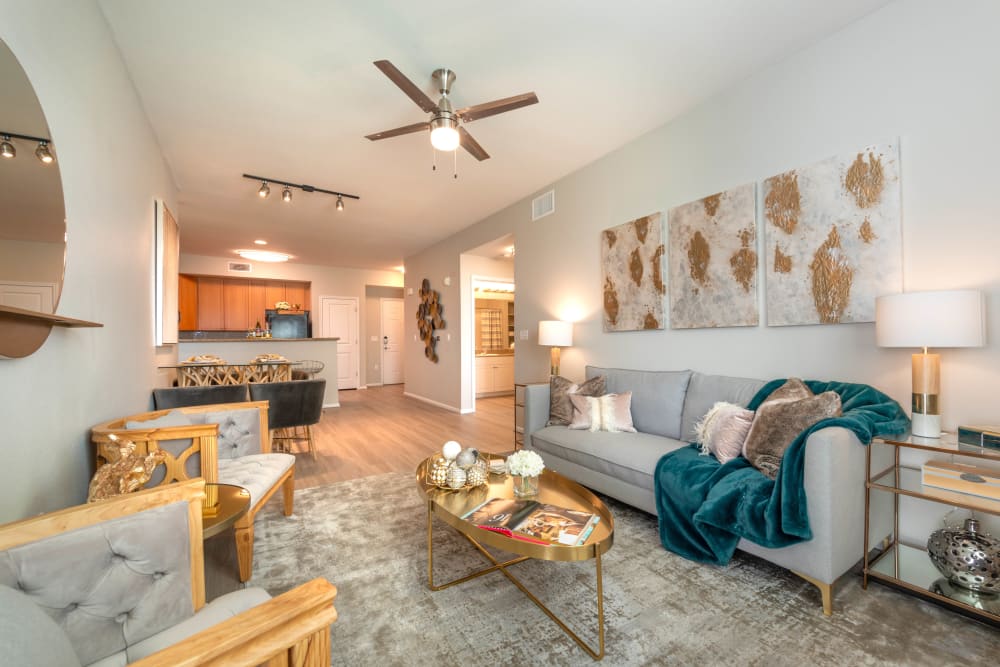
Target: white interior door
(392, 340)
(31, 296)
(339, 319)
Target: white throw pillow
(611, 412)
(723, 430)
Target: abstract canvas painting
(833, 238)
(632, 263)
(713, 261)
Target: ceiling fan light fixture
(286, 195)
(264, 191)
(444, 134)
(7, 149)
(340, 203)
(43, 153)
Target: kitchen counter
(243, 350)
(495, 354)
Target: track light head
(43, 153)
(286, 195)
(340, 203)
(7, 149)
(264, 191)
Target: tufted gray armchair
(227, 443)
(121, 581)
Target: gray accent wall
(112, 170)
(914, 71)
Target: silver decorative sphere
(476, 475)
(967, 557)
(456, 477)
(467, 458)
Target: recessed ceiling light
(260, 242)
(263, 255)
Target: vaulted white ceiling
(287, 90)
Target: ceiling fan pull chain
(455, 155)
(434, 159)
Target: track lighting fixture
(8, 151)
(286, 192)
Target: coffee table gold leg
(502, 568)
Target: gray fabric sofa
(665, 407)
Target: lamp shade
(946, 318)
(555, 332)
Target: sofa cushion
(704, 391)
(560, 407)
(657, 396)
(723, 431)
(239, 432)
(630, 457)
(29, 636)
(256, 473)
(777, 423)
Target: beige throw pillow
(611, 412)
(723, 430)
(560, 407)
(778, 422)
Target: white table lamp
(556, 334)
(947, 318)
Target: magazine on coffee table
(532, 521)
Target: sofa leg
(825, 590)
(244, 546)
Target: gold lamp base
(554, 361)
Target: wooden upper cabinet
(274, 293)
(210, 309)
(236, 305)
(258, 301)
(187, 302)
(295, 293)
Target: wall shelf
(22, 331)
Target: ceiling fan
(446, 132)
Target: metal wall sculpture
(429, 319)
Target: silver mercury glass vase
(967, 557)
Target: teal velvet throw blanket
(705, 508)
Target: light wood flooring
(380, 430)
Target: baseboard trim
(373, 384)
(331, 405)
(424, 399)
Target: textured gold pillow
(560, 407)
(779, 421)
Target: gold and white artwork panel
(713, 261)
(632, 265)
(833, 238)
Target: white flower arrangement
(525, 463)
(282, 305)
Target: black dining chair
(291, 405)
(184, 397)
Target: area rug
(368, 536)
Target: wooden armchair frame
(204, 443)
(291, 629)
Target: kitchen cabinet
(236, 305)
(295, 293)
(187, 303)
(210, 303)
(258, 302)
(494, 375)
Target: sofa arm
(291, 629)
(536, 409)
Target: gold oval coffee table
(449, 506)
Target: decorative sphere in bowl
(967, 557)
(466, 458)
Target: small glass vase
(525, 485)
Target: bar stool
(306, 369)
(291, 405)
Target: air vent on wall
(543, 205)
(240, 267)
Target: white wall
(112, 169)
(326, 281)
(920, 71)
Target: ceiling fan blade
(407, 86)
(406, 129)
(496, 106)
(471, 145)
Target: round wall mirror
(32, 214)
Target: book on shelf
(532, 521)
(981, 436)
